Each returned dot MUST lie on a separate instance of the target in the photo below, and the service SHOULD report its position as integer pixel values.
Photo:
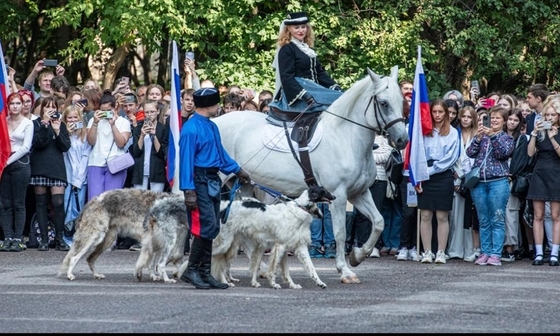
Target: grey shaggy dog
(164, 226)
(115, 212)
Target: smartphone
(82, 101)
(488, 103)
(126, 80)
(78, 125)
(50, 62)
(475, 85)
(56, 115)
(486, 121)
(546, 125)
(189, 55)
(130, 99)
(108, 114)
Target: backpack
(35, 233)
(520, 160)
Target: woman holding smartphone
(545, 181)
(48, 172)
(148, 151)
(76, 161)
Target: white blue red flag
(175, 123)
(419, 125)
(5, 145)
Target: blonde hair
(553, 103)
(73, 108)
(285, 37)
(473, 128)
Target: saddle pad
(274, 137)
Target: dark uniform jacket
(292, 62)
(46, 154)
(157, 159)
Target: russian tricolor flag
(5, 145)
(419, 125)
(175, 123)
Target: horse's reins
(377, 117)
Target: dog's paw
(156, 278)
(70, 277)
(255, 284)
(321, 284)
(170, 281)
(232, 279)
(231, 284)
(139, 276)
(98, 276)
(276, 286)
(295, 286)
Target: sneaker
(315, 252)
(374, 253)
(473, 256)
(494, 261)
(428, 257)
(403, 254)
(330, 252)
(135, 247)
(384, 250)
(412, 254)
(393, 251)
(482, 260)
(6, 245)
(17, 246)
(440, 257)
(508, 257)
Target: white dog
(251, 223)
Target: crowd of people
(63, 137)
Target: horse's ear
(374, 77)
(395, 73)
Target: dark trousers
(205, 219)
(13, 187)
(409, 217)
(362, 226)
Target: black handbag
(520, 185)
(394, 167)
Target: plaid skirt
(46, 182)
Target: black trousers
(13, 187)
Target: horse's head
(388, 104)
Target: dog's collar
(306, 207)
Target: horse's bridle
(376, 108)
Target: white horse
(342, 162)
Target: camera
(50, 62)
(486, 121)
(546, 125)
(189, 55)
(108, 114)
(55, 115)
(78, 125)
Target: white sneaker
(428, 257)
(403, 254)
(440, 257)
(374, 253)
(473, 256)
(412, 254)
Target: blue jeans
(322, 229)
(490, 200)
(391, 212)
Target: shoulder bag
(473, 177)
(120, 162)
(394, 167)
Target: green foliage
(507, 44)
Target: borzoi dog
(164, 226)
(115, 212)
(285, 225)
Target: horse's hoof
(350, 279)
(354, 260)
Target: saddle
(303, 126)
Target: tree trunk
(163, 59)
(113, 65)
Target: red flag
(5, 145)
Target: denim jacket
(500, 146)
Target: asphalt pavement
(394, 296)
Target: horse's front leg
(364, 203)
(338, 214)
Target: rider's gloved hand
(308, 99)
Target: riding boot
(60, 244)
(206, 267)
(192, 273)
